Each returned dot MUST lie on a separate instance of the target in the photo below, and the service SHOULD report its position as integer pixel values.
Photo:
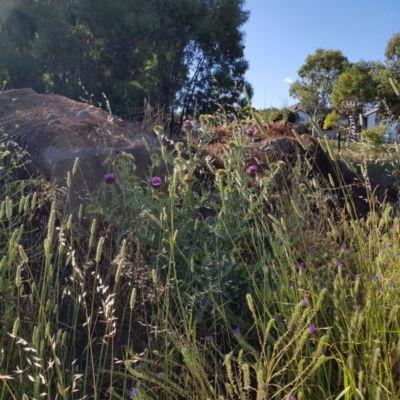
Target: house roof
(295, 108)
(369, 111)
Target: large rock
(56, 130)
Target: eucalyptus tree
(168, 51)
(355, 88)
(392, 53)
(317, 77)
(388, 100)
(388, 77)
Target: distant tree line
(328, 79)
(181, 54)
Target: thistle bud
(156, 181)
(188, 125)
(252, 170)
(188, 178)
(250, 132)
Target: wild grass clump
(382, 162)
(199, 284)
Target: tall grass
(238, 287)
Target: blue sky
(281, 33)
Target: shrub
(321, 120)
(247, 110)
(375, 135)
(331, 120)
(266, 113)
(280, 114)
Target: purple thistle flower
(292, 284)
(281, 243)
(312, 329)
(236, 330)
(134, 392)
(109, 178)
(252, 170)
(250, 131)
(266, 266)
(374, 278)
(357, 277)
(188, 124)
(156, 181)
(303, 265)
(304, 302)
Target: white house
(371, 119)
(301, 115)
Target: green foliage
(247, 110)
(375, 135)
(354, 88)
(318, 75)
(308, 125)
(266, 113)
(165, 51)
(215, 283)
(320, 119)
(331, 120)
(389, 104)
(392, 53)
(280, 115)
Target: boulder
(56, 130)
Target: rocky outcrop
(56, 130)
